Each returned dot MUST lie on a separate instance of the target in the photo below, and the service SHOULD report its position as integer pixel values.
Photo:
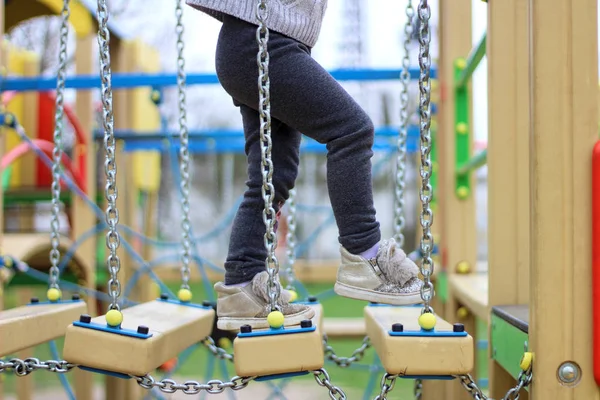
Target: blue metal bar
(129, 135)
(131, 80)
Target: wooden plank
(280, 353)
(173, 327)
(517, 316)
(417, 355)
(471, 291)
(508, 163)
(30, 325)
(564, 57)
(344, 327)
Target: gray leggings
(304, 98)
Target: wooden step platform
(517, 316)
(172, 328)
(275, 352)
(471, 291)
(27, 326)
(414, 352)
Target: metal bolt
(312, 299)
(458, 328)
(144, 330)
(397, 327)
(245, 329)
(86, 319)
(76, 297)
(34, 300)
(206, 303)
(307, 323)
(164, 296)
(568, 373)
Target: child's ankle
(370, 253)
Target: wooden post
(458, 228)
(564, 112)
(82, 218)
(508, 164)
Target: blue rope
(63, 379)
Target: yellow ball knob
(114, 318)
(462, 128)
(184, 295)
(427, 321)
(463, 267)
(53, 294)
(526, 361)
(224, 343)
(275, 319)
(462, 313)
(462, 192)
(461, 63)
(293, 296)
(155, 96)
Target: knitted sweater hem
(285, 20)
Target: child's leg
(247, 252)
(306, 97)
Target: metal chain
(418, 389)
(523, 380)
(113, 239)
(344, 362)
(213, 386)
(268, 191)
(57, 152)
(25, 367)
(217, 351)
(322, 378)
(291, 241)
(184, 153)
(388, 381)
(399, 220)
(426, 194)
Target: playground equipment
(556, 165)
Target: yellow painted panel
(146, 117)
(80, 19)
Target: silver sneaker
(389, 278)
(249, 305)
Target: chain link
(418, 389)
(217, 351)
(57, 152)
(322, 378)
(184, 153)
(388, 381)
(426, 194)
(523, 380)
(25, 367)
(344, 362)
(213, 386)
(113, 239)
(399, 220)
(291, 240)
(268, 191)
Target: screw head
(206, 303)
(398, 327)
(245, 329)
(569, 373)
(75, 297)
(458, 328)
(164, 296)
(307, 323)
(312, 299)
(34, 300)
(144, 330)
(84, 318)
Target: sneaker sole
(396, 299)
(234, 324)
